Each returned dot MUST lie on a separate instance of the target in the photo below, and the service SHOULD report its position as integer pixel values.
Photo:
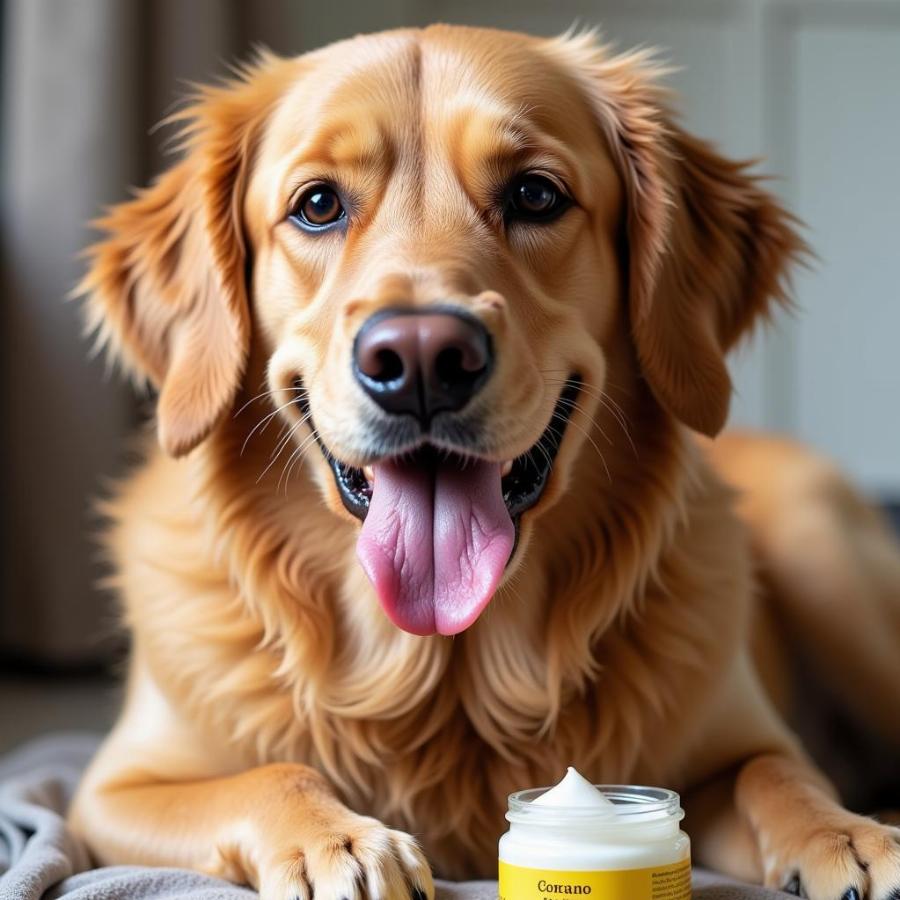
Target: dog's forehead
(354, 99)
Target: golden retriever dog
(436, 318)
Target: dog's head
(435, 239)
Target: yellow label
(672, 882)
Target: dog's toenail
(851, 894)
(419, 894)
(793, 886)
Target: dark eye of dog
(318, 208)
(534, 198)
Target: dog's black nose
(422, 362)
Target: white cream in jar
(610, 842)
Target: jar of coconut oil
(610, 842)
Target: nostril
(448, 365)
(452, 367)
(389, 366)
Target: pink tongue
(435, 543)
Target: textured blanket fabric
(39, 858)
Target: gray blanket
(39, 858)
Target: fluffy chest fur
(267, 641)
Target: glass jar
(635, 850)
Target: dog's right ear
(166, 289)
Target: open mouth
(439, 527)
(522, 480)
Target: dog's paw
(850, 858)
(349, 858)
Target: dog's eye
(318, 208)
(535, 198)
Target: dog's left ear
(708, 248)
(703, 269)
(166, 288)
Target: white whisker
(264, 423)
(280, 448)
(259, 396)
(607, 401)
(593, 444)
(297, 454)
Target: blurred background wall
(811, 85)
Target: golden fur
(268, 694)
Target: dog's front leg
(278, 827)
(759, 809)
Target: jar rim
(634, 803)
